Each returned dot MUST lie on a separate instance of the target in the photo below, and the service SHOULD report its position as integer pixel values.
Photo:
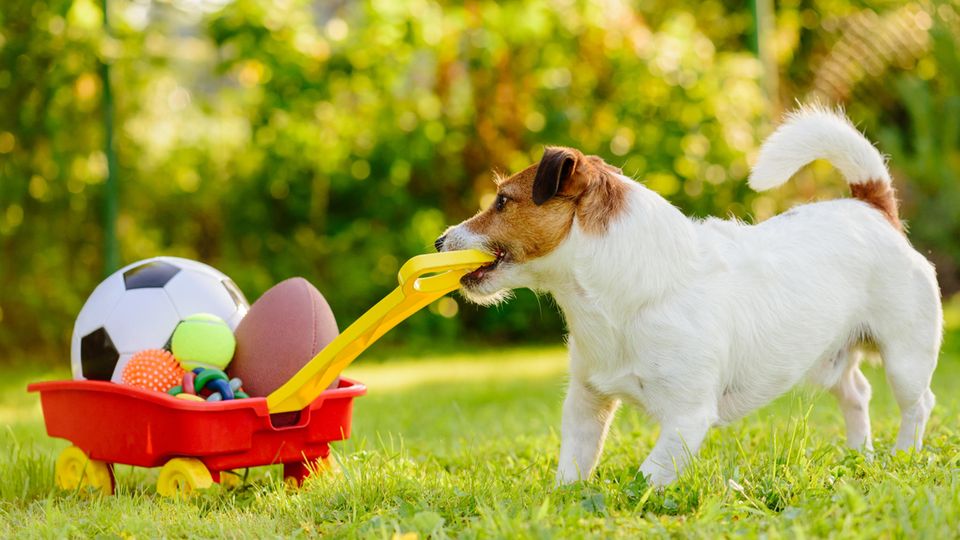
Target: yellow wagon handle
(416, 289)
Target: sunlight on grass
(20, 410)
(10, 415)
(488, 365)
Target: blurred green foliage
(333, 140)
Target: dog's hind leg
(909, 338)
(853, 393)
(909, 369)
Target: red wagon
(192, 442)
(195, 442)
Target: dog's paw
(569, 474)
(658, 477)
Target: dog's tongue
(482, 271)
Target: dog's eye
(500, 202)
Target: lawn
(464, 445)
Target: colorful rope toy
(208, 384)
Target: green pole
(755, 36)
(111, 248)
(763, 22)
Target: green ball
(203, 340)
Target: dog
(700, 322)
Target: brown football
(283, 330)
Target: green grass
(465, 446)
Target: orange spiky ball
(152, 369)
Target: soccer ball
(139, 306)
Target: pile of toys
(181, 327)
(201, 348)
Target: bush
(298, 138)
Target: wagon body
(117, 423)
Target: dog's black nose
(438, 244)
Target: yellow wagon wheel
(182, 476)
(75, 470)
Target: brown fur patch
(599, 205)
(881, 196)
(527, 231)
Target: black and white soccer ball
(139, 306)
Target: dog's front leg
(679, 441)
(586, 419)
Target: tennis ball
(203, 340)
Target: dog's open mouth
(477, 275)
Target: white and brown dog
(701, 322)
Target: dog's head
(532, 215)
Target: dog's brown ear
(557, 166)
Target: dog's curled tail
(814, 132)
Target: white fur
(702, 322)
(817, 133)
